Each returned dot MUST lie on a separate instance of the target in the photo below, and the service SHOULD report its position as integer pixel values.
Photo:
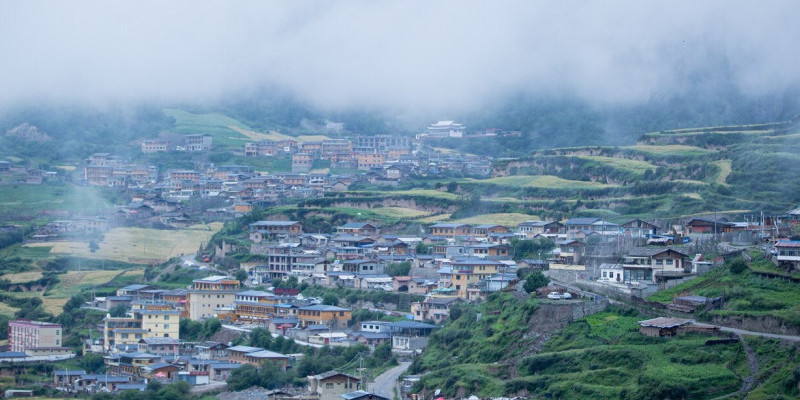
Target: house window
(166, 318)
(166, 326)
(329, 386)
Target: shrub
(737, 265)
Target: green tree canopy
(535, 280)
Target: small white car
(554, 296)
(566, 295)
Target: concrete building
(25, 335)
(301, 162)
(209, 296)
(331, 316)
(332, 384)
(150, 319)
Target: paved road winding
(385, 382)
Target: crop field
(433, 219)
(507, 219)
(258, 136)
(72, 282)
(399, 212)
(672, 150)
(420, 192)
(689, 181)
(389, 214)
(540, 181)
(310, 138)
(137, 245)
(216, 125)
(7, 310)
(35, 198)
(622, 163)
(274, 136)
(21, 277)
(502, 199)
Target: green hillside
(496, 349)
(599, 357)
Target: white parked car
(554, 296)
(566, 295)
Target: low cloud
(404, 55)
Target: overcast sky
(403, 54)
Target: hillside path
(749, 382)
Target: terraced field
(635, 166)
(507, 219)
(672, 150)
(539, 181)
(22, 276)
(137, 245)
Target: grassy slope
(746, 293)
(599, 357)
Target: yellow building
(465, 272)
(149, 319)
(254, 306)
(320, 314)
(209, 295)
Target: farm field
(7, 310)
(72, 282)
(35, 198)
(539, 181)
(433, 219)
(389, 214)
(216, 125)
(21, 277)
(137, 245)
(275, 136)
(622, 163)
(672, 150)
(399, 212)
(414, 192)
(507, 219)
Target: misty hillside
(543, 122)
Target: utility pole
(361, 371)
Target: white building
(445, 129)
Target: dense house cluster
(380, 160)
(462, 263)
